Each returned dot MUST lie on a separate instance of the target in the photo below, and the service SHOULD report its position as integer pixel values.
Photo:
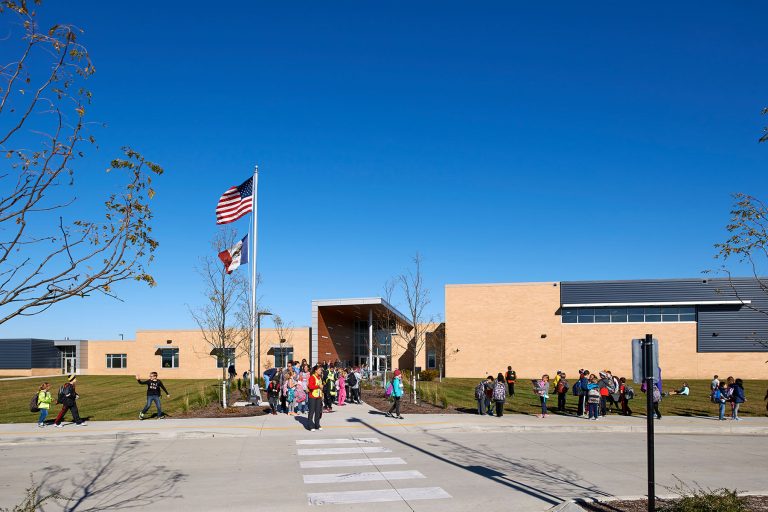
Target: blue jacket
(397, 386)
(738, 395)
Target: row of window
(605, 315)
(169, 358)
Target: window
(117, 361)
(225, 357)
(282, 356)
(170, 357)
(431, 358)
(605, 315)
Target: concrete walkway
(353, 419)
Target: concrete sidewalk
(354, 419)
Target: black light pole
(648, 373)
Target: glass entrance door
(68, 360)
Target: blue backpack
(576, 390)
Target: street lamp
(258, 352)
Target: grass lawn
(102, 397)
(460, 393)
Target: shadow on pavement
(545, 481)
(117, 481)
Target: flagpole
(254, 314)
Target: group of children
(729, 391)
(287, 388)
(67, 397)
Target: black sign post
(648, 375)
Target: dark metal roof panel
(15, 354)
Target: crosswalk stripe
(346, 463)
(357, 440)
(342, 451)
(373, 476)
(377, 496)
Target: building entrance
(68, 360)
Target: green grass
(103, 397)
(460, 393)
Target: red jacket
(315, 386)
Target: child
(301, 397)
(273, 394)
(289, 391)
(593, 397)
(719, 398)
(541, 388)
(154, 385)
(44, 402)
(397, 395)
(341, 385)
(68, 399)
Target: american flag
(235, 202)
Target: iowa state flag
(235, 256)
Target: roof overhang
(684, 303)
(160, 347)
(67, 343)
(361, 304)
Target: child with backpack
(397, 394)
(562, 392)
(541, 388)
(718, 397)
(480, 397)
(499, 395)
(593, 397)
(43, 403)
(273, 395)
(289, 391)
(67, 398)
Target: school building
(704, 327)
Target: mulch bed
(214, 410)
(377, 400)
(754, 504)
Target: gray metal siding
(723, 328)
(45, 354)
(15, 354)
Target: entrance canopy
(356, 332)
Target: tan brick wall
(195, 360)
(491, 326)
(15, 373)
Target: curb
(574, 504)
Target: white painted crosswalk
(322, 483)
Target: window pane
(618, 314)
(175, 358)
(669, 318)
(586, 311)
(652, 318)
(586, 319)
(652, 311)
(569, 319)
(637, 318)
(603, 317)
(569, 315)
(687, 310)
(687, 317)
(667, 310)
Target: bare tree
(416, 297)
(217, 318)
(46, 254)
(284, 331)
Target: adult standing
(511, 380)
(354, 385)
(67, 398)
(738, 398)
(315, 386)
(582, 390)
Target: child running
(154, 385)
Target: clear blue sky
(505, 141)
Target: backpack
(499, 393)
(62, 394)
(562, 387)
(716, 396)
(480, 391)
(33, 404)
(576, 390)
(629, 393)
(389, 390)
(291, 395)
(352, 380)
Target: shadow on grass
(117, 481)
